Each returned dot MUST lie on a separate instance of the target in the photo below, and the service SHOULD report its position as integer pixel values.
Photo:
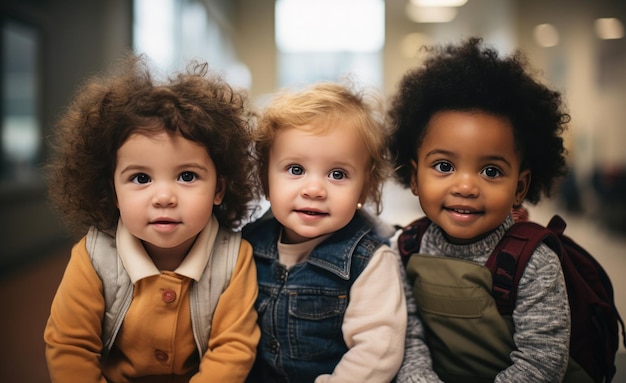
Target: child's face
(316, 180)
(467, 173)
(166, 187)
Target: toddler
(158, 173)
(331, 301)
(477, 136)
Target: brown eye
(187, 176)
(141, 178)
(443, 167)
(491, 172)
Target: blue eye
(491, 172)
(141, 178)
(187, 176)
(337, 175)
(295, 170)
(443, 167)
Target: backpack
(595, 320)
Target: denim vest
(301, 310)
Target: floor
(28, 292)
(27, 296)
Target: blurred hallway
(56, 43)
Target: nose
(164, 196)
(466, 186)
(314, 188)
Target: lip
(164, 223)
(164, 220)
(463, 214)
(462, 209)
(310, 213)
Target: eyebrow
(142, 168)
(133, 168)
(193, 165)
(439, 152)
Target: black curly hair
(472, 77)
(107, 109)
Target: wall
(253, 28)
(590, 72)
(78, 38)
(83, 37)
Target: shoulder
(379, 227)
(543, 274)
(81, 252)
(245, 251)
(260, 227)
(544, 259)
(80, 270)
(385, 254)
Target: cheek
(125, 207)
(423, 183)
(507, 199)
(129, 202)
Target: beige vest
(203, 295)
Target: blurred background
(49, 46)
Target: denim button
(281, 275)
(275, 348)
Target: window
(173, 32)
(21, 126)
(329, 39)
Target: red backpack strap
(508, 260)
(410, 238)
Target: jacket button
(275, 347)
(168, 296)
(281, 275)
(161, 355)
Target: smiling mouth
(462, 211)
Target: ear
(523, 183)
(220, 190)
(362, 199)
(414, 189)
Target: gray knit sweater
(541, 316)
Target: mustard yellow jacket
(156, 342)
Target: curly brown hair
(320, 105)
(469, 76)
(107, 109)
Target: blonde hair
(316, 108)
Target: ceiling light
(439, 3)
(546, 35)
(609, 28)
(430, 14)
(321, 26)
